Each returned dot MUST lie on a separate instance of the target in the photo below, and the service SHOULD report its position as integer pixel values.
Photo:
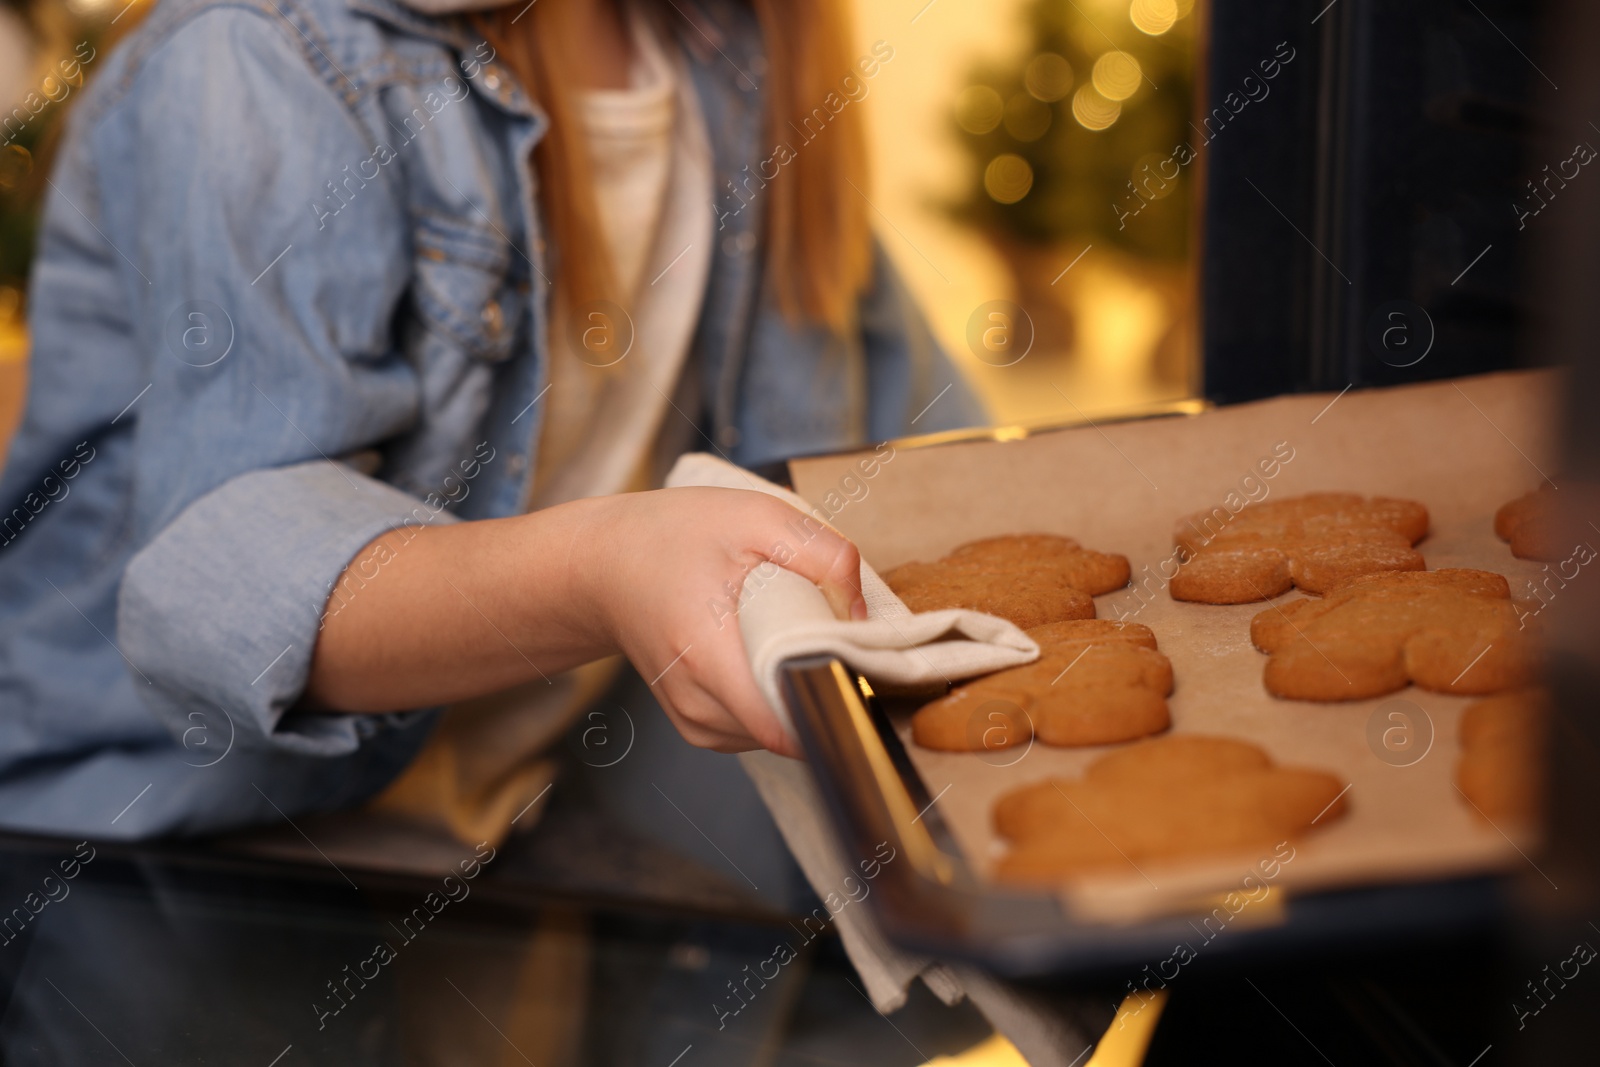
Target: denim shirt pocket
(463, 287)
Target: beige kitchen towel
(781, 616)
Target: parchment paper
(1461, 447)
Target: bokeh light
(1007, 178)
(1154, 17)
(979, 109)
(1116, 75)
(1048, 77)
(1093, 111)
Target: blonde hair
(818, 233)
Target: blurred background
(1021, 153)
(1041, 154)
(1018, 150)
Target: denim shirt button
(491, 79)
(494, 319)
(516, 463)
(728, 437)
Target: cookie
(1502, 741)
(1531, 524)
(1451, 631)
(1164, 798)
(1312, 542)
(1030, 579)
(1095, 682)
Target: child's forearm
(453, 612)
(465, 610)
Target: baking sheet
(1462, 447)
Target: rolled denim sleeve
(223, 607)
(267, 325)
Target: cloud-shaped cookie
(1313, 542)
(1095, 682)
(1451, 631)
(1031, 579)
(1184, 795)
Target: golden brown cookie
(1163, 798)
(1502, 741)
(1095, 682)
(1531, 524)
(1451, 631)
(1031, 579)
(1180, 760)
(1068, 637)
(1313, 542)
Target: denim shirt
(291, 293)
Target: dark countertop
(579, 942)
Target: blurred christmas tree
(1074, 139)
(1082, 139)
(20, 184)
(17, 144)
(55, 35)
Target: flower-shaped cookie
(1095, 682)
(1179, 796)
(1312, 541)
(1451, 631)
(1031, 579)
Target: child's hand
(664, 571)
